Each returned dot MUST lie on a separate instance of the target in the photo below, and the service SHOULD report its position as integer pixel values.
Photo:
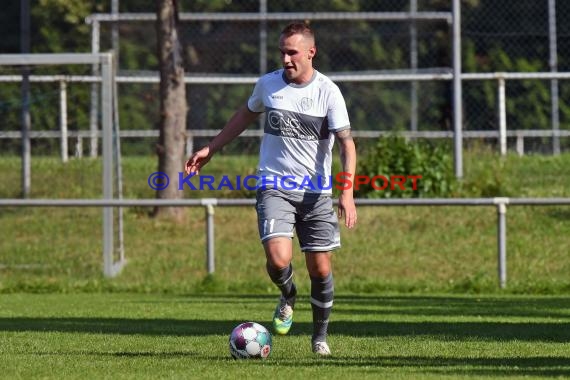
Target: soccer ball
(250, 340)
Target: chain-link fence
(352, 43)
(509, 35)
(517, 36)
(512, 36)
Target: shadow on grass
(433, 306)
(124, 354)
(412, 305)
(544, 366)
(438, 321)
(382, 316)
(447, 331)
(446, 366)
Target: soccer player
(304, 112)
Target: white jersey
(296, 151)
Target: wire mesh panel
(517, 36)
(55, 178)
(358, 37)
(45, 101)
(512, 35)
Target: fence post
(457, 91)
(502, 115)
(520, 144)
(79, 147)
(553, 63)
(210, 260)
(189, 143)
(94, 111)
(63, 119)
(414, 67)
(107, 145)
(502, 239)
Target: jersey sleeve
(337, 114)
(255, 102)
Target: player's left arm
(346, 205)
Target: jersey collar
(295, 85)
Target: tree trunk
(173, 107)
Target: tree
(173, 107)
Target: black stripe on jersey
(295, 125)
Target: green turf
(175, 320)
(166, 336)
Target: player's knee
(318, 264)
(319, 272)
(318, 269)
(276, 264)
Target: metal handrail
(500, 203)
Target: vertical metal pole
(93, 116)
(115, 31)
(63, 119)
(457, 92)
(502, 243)
(414, 67)
(520, 145)
(118, 163)
(107, 125)
(25, 93)
(189, 144)
(210, 261)
(262, 46)
(553, 61)
(79, 147)
(501, 99)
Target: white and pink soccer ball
(250, 340)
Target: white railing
(501, 134)
(210, 203)
(78, 149)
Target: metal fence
(382, 37)
(209, 204)
(111, 179)
(500, 134)
(409, 42)
(394, 59)
(228, 45)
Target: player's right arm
(233, 128)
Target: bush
(394, 156)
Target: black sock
(283, 278)
(322, 294)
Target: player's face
(297, 53)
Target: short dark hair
(298, 27)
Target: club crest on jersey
(306, 104)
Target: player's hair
(298, 27)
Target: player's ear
(312, 52)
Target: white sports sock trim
(287, 280)
(324, 305)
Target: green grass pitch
(146, 336)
